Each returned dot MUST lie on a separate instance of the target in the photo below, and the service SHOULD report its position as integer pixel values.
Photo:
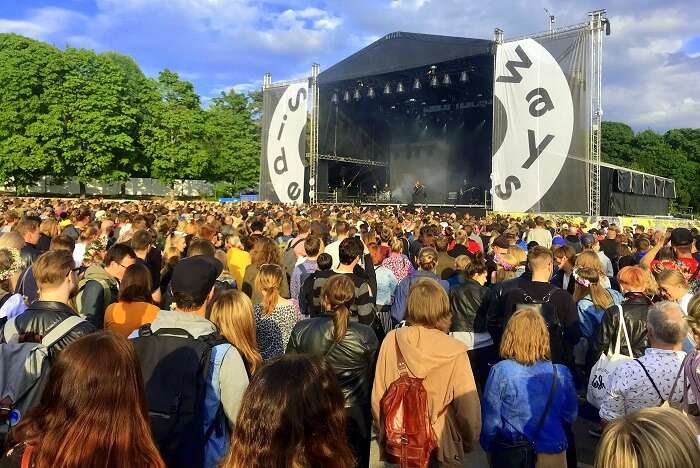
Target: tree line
(76, 113)
(674, 154)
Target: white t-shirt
(540, 235)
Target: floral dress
(399, 264)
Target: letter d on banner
(284, 161)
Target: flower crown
(503, 264)
(582, 281)
(93, 248)
(15, 266)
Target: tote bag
(599, 382)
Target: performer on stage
(419, 194)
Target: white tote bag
(599, 382)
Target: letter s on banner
(540, 121)
(286, 165)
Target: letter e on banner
(534, 92)
(283, 158)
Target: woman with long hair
(442, 362)
(232, 313)
(592, 299)
(275, 316)
(134, 306)
(653, 437)
(92, 412)
(350, 348)
(674, 287)
(264, 252)
(506, 268)
(291, 416)
(517, 407)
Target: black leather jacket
(634, 308)
(42, 316)
(352, 359)
(466, 300)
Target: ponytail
(337, 297)
(268, 281)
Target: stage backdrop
(284, 142)
(541, 124)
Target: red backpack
(409, 439)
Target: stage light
(356, 94)
(447, 80)
(399, 87)
(334, 98)
(464, 77)
(370, 92)
(434, 81)
(346, 96)
(416, 84)
(387, 88)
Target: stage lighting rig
(432, 73)
(416, 84)
(447, 80)
(334, 97)
(370, 92)
(464, 77)
(399, 87)
(387, 89)
(356, 95)
(346, 96)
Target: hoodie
(453, 402)
(96, 291)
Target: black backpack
(175, 367)
(560, 353)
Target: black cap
(195, 275)
(681, 236)
(588, 240)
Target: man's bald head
(666, 323)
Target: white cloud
(408, 4)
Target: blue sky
(651, 66)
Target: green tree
(233, 143)
(175, 143)
(618, 144)
(25, 154)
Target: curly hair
(265, 251)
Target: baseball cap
(558, 241)
(588, 239)
(681, 236)
(194, 275)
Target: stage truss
(596, 26)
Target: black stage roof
(401, 51)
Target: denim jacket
(514, 399)
(590, 316)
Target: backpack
(106, 292)
(175, 368)
(289, 259)
(23, 367)
(306, 294)
(409, 439)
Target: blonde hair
(427, 259)
(11, 240)
(397, 245)
(693, 316)
(462, 262)
(600, 296)
(337, 297)
(428, 305)
(502, 274)
(52, 268)
(651, 437)
(590, 259)
(672, 277)
(526, 339)
(518, 254)
(50, 228)
(232, 312)
(268, 282)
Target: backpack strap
(10, 329)
(291, 244)
(653, 384)
(400, 361)
(548, 406)
(61, 330)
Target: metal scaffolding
(312, 155)
(596, 25)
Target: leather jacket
(634, 308)
(42, 316)
(466, 300)
(352, 359)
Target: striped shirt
(363, 308)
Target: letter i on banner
(534, 94)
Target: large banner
(284, 142)
(541, 127)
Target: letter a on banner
(284, 160)
(533, 91)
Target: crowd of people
(197, 334)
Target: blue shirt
(590, 315)
(398, 307)
(514, 399)
(386, 284)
